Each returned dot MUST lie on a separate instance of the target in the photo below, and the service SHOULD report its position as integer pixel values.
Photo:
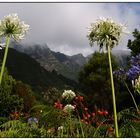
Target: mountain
(22, 67)
(68, 66)
(121, 56)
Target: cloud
(64, 25)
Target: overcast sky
(63, 26)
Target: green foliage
(19, 129)
(24, 91)
(73, 129)
(129, 122)
(95, 79)
(8, 100)
(134, 45)
(51, 95)
(3, 120)
(130, 129)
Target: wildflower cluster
(93, 117)
(69, 108)
(11, 25)
(105, 28)
(68, 94)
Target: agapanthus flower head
(68, 108)
(2, 45)
(105, 32)
(136, 84)
(68, 94)
(133, 72)
(120, 74)
(11, 25)
(135, 60)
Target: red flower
(100, 112)
(58, 105)
(79, 98)
(110, 130)
(105, 112)
(15, 115)
(88, 115)
(111, 118)
(93, 114)
(82, 120)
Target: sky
(64, 26)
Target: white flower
(68, 94)
(105, 31)
(11, 25)
(136, 84)
(2, 45)
(68, 108)
(60, 128)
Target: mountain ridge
(68, 66)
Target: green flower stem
(5, 57)
(132, 97)
(83, 135)
(113, 93)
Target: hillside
(22, 67)
(68, 66)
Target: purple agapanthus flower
(135, 61)
(32, 120)
(132, 73)
(119, 74)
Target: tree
(134, 45)
(95, 81)
(9, 102)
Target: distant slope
(68, 66)
(23, 67)
(121, 56)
